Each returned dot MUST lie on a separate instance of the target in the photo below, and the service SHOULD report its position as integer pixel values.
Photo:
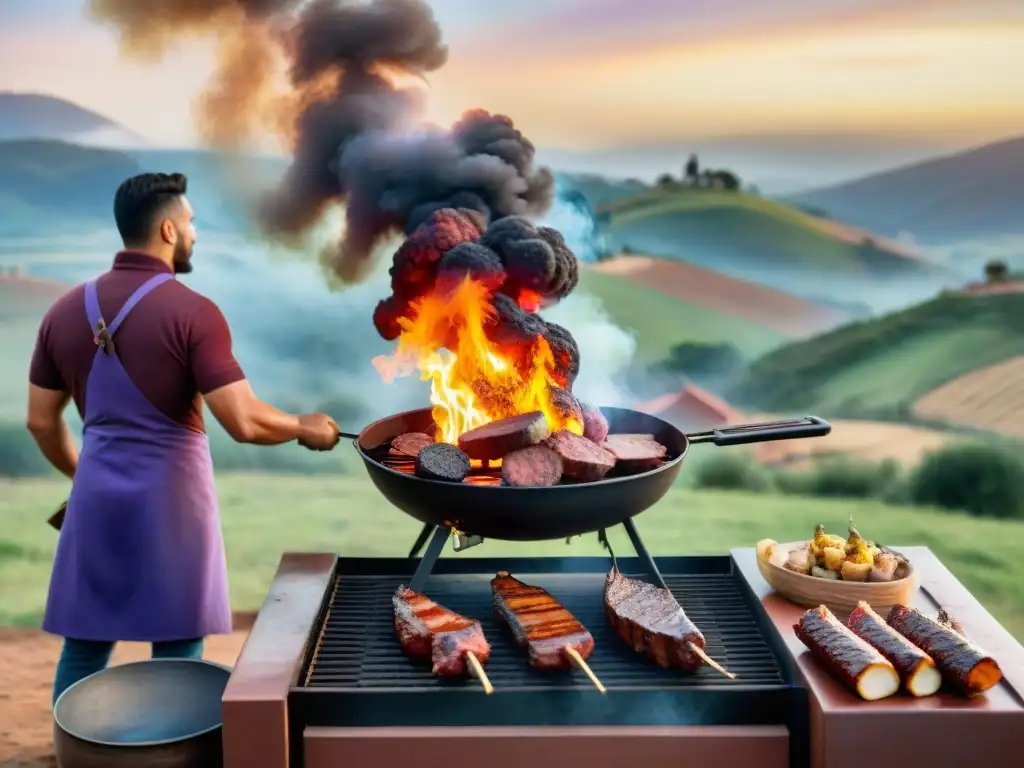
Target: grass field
(751, 230)
(661, 321)
(991, 398)
(881, 367)
(265, 515)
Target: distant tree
(702, 361)
(727, 180)
(665, 181)
(997, 272)
(691, 172)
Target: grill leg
(642, 553)
(421, 540)
(434, 549)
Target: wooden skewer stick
(478, 669)
(710, 662)
(582, 664)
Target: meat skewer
(453, 643)
(916, 668)
(650, 620)
(553, 637)
(847, 656)
(958, 659)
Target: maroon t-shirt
(175, 344)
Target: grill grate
(356, 648)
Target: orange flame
(472, 380)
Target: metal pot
(162, 713)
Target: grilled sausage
(960, 661)
(535, 465)
(539, 623)
(916, 668)
(846, 656)
(495, 440)
(582, 459)
(635, 453)
(441, 461)
(411, 443)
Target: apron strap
(140, 293)
(100, 333)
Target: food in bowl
(828, 556)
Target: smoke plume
(352, 128)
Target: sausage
(846, 656)
(441, 461)
(411, 443)
(595, 425)
(635, 453)
(499, 438)
(916, 668)
(535, 465)
(960, 661)
(582, 459)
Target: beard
(182, 260)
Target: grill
(356, 674)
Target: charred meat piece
(960, 661)
(916, 668)
(635, 453)
(411, 443)
(427, 630)
(539, 623)
(534, 465)
(595, 425)
(441, 461)
(847, 656)
(495, 440)
(650, 620)
(582, 459)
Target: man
(140, 555)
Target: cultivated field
(769, 308)
(991, 398)
(265, 515)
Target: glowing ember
(473, 380)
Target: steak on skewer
(454, 644)
(553, 637)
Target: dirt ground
(27, 660)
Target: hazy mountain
(968, 195)
(37, 116)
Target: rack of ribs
(454, 644)
(553, 637)
(650, 620)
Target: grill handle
(764, 432)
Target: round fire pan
(161, 712)
(555, 512)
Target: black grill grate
(356, 647)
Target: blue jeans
(81, 658)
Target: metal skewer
(582, 664)
(478, 670)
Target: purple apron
(140, 555)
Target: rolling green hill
(660, 321)
(768, 242)
(880, 367)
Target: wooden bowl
(841, 597)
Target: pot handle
(764, 432)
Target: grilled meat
(582, 459)
(960, 661)
(635, 453)
(847, 656)
(534, 465)
(916, 668)
(427, 630)
(441, 461)
(539, 623)
(498, 438)
(411, 443)
(650, 620)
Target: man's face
(185, 236)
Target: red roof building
(693, 409)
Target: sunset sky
(598, 74)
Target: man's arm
(46, 423)
(248, 419)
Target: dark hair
(140, 200)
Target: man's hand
(318, 432)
